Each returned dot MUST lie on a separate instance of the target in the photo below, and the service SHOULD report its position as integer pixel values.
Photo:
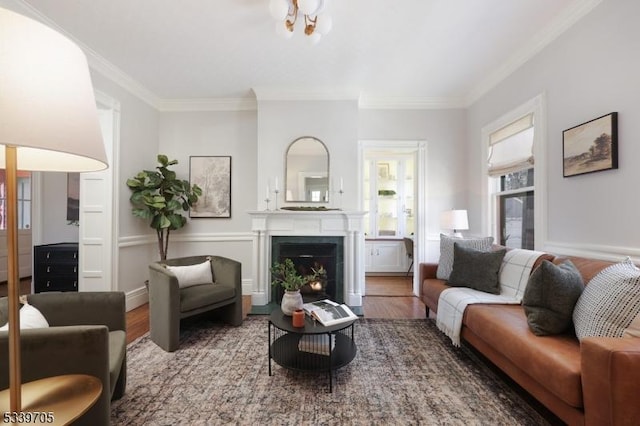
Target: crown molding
(408, 103)
(364, 102)
(576, 11)
(207, 104)
(115, 74)
(304, 94)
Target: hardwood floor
(389, 285)
(387, 297)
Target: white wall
(222, 133)
(333, 122)
(587, 72)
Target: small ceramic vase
(291, 300)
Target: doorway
(397, 202)
(97, 242)
(97, 224)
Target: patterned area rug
(406, 372)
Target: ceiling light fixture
(316, 24)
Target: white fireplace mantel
(347, 224)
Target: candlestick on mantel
(276, 188)
(341, 185)
(267, 197)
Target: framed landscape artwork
(213, 176)
(591, 146)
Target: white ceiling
(412, 52)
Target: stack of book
(317, 343)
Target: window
(515, 209)
(510, 167)
(514, 166)
(24, 200)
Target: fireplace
(342, 228)
(310, 253)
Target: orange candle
(298, 318)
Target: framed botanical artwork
(213, 175)
(591, 146)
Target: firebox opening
(323, 254)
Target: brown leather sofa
(593, 382)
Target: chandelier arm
(309, 24)
(310, 20)
(292, 16)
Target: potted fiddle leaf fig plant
(160, 197)
(286, 276)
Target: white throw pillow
(445, 264)
(193, 274)
(30, 317)
(609, 306)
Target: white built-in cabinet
(389, 197)
(385, 256)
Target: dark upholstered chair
(168, 303)
(86, 335)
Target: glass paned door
(387, 192)
(408, 201)
(369, 222)
(389, 197)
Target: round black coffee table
(313, 347)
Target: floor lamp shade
(47, 104)
(48, 122)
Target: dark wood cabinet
(55, 267)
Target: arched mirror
(307, 171)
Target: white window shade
(511, 147)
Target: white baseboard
(135, 298)
(247, 286)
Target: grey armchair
(168, 303)
(87, 335)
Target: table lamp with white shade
(48, 122)
(454, 220)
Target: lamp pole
(13, 279)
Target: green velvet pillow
(476, 269)
(550, 297)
